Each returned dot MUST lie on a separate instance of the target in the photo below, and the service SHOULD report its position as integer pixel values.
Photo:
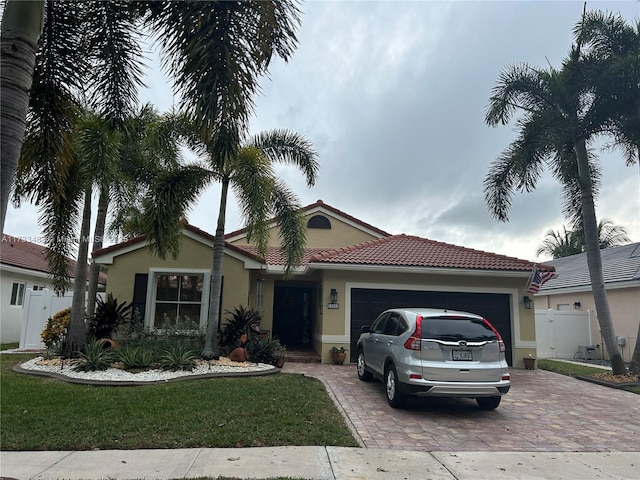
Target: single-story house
(350, 273)
(23, 267)
(571, 290)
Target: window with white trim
(17, 294)
(177, 297)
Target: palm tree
(214, 50)
(612, 39)
(558, 245)
(260, 193)
(20, 32)
(91, 50)
(147, 143)
(561, 116)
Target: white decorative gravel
(118, 375)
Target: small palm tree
(259, 192)
(558, 245)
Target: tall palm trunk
(21, 28)
(76, 332)
(215, 291)
(98, 234)
(594, 260)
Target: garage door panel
(368, 303)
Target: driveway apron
(543, 411)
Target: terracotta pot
(338, 357)
(529, 363)
(238, 355)
(108, 343)
(279, 362)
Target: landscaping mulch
(610, 380)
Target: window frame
(152, 288)
(16, 300)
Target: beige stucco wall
(624, 304)
(335, 323)
(341, 234)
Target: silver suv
(432, 352)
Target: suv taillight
(414, 341)
(500, 342)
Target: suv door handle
(390, 342)
(376, 340)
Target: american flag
(538, 279)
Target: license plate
(462, 355)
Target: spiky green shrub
(264, 350)
(177, 357)
(139, 357)
(239, 322)
(95, 357)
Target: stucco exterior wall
(624, 304)
(341, 234)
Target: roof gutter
(418, 270)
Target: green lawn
(574, 370)
(40, 413)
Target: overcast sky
(393, 97)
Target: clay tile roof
(274, 254)
(18, 252)
(410, 251)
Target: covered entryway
(368, 303)
(293, 308)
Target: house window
(17, 294)
(319, 221)
(260, 293)
(178, 297)
(37, 288)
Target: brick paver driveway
(543, 412)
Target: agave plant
(178, 357)
(95, 357)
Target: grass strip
(40, 413)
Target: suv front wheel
(363, 373)
(391, 385)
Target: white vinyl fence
(564, 334)
(39, 305)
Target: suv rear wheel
(394, 396)
(488, 403)
(363, 373)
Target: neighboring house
(571, 290)
(350, 273)
(23, 267)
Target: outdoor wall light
(576, 305)
(334, 296)
(527, 302)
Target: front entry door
(292, 309)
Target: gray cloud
(393, 96)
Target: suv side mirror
(365, 329)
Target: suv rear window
(455, 329)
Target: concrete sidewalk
(321, 463)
